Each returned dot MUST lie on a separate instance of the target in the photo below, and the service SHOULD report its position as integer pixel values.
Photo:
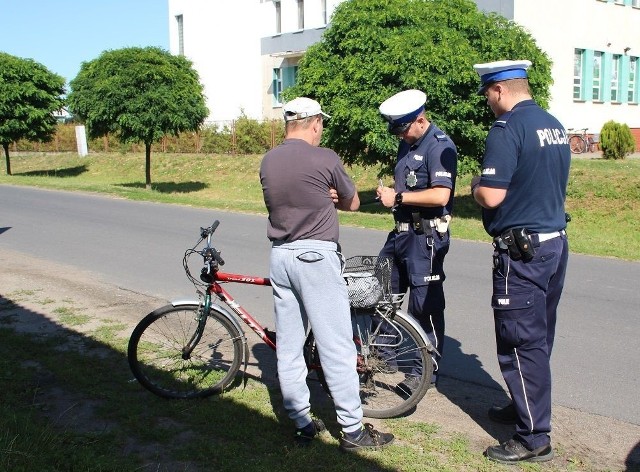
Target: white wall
(222, 38)
(562, 26)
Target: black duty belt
(403, 227)
(536, 238)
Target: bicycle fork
(201, 319)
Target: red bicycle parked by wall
(580, 141)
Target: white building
(594, 46)
(247, 51)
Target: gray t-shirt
(296, 178)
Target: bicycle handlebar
(210, 253)
(206, 232)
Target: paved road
(139, 246)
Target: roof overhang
(286, 54)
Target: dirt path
(583, 441)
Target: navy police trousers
(525, 299)
(418, 266)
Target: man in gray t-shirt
(295, 180)
(302, 185)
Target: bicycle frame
(226, 297)
(215, 290)
(385, 312)
(193, 348)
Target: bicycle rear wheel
(394, 365)
(159, 358)
(577, 144)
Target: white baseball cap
(302, 107)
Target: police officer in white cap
(522, 191)
(422, 203)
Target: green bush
(253, 137)
(241, 136)
(468, 165)
(216, 140)
(616, 140)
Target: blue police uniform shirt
(431, 161)
(527, 153)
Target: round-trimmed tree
(375, 48)
(138, 95)
(29, 95)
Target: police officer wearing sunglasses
(422, 204)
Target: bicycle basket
(368, 280)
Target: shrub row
(241, 136)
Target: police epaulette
(440, 136)
(502, 122)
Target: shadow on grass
(464, 206)
(369, 204)
(169, 187)
(321, 404)
(70, 404)
(68, 172)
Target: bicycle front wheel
(175, 355)
(577, 144)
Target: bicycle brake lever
(218, 257)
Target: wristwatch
(399, 198)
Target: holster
(418, 225)
(519, 244)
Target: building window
(632, 87)
(179, 21)
(277, 87)
(300, 14)
(283, 78)
(597, 76)
(323, 6)
(616, 73)
(578, 70)
(278, 6)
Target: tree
(29, 95)
(139, 95)
(375, 48)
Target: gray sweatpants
(308, 289)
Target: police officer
(522, 191)
(421, 201)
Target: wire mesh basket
(368, 280)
